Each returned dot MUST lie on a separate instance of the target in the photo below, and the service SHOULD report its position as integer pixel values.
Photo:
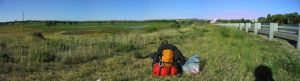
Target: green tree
(176, 25)
(279, 18)
(112, 22)
(268, 20)
(50, 23)
(71, 23)
(293, 18)
(243, 20)
(262, 20)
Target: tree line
(112, 22)
(288, 18)
(234, 21)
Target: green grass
(226, 54)
(90, 27)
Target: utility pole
(23, 21)
(22, 49)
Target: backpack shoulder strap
(157, 54)
(164, 42)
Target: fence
(289, 32)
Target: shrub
(152, 29)
(176, 25)
(6, 57)
(38, 35)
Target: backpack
(167, 60)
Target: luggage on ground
(167, 60)
(191, 66)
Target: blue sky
(11, 10)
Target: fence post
(248, 25)
(276, 27)
(234, 26)
(259, 26)
(272, 29)
(238, 26)
(298, 41)
(255, 28)
(241, 26)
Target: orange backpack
(167, 60)
(167, 57)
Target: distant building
(214, 21)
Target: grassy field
(121, 52)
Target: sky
(82, 10)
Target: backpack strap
(164, 42)
(160, 66)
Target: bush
(152, 29)
(6, 57)
(176, 25)
(38, 35)
(5, 53)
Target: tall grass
(226, 54)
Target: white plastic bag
(192, 65)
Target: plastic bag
(192, 65)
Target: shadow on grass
(141, 55)
(202, 64)
(144, 57)
(263, 73)
(293, 43)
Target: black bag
(179, 59)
